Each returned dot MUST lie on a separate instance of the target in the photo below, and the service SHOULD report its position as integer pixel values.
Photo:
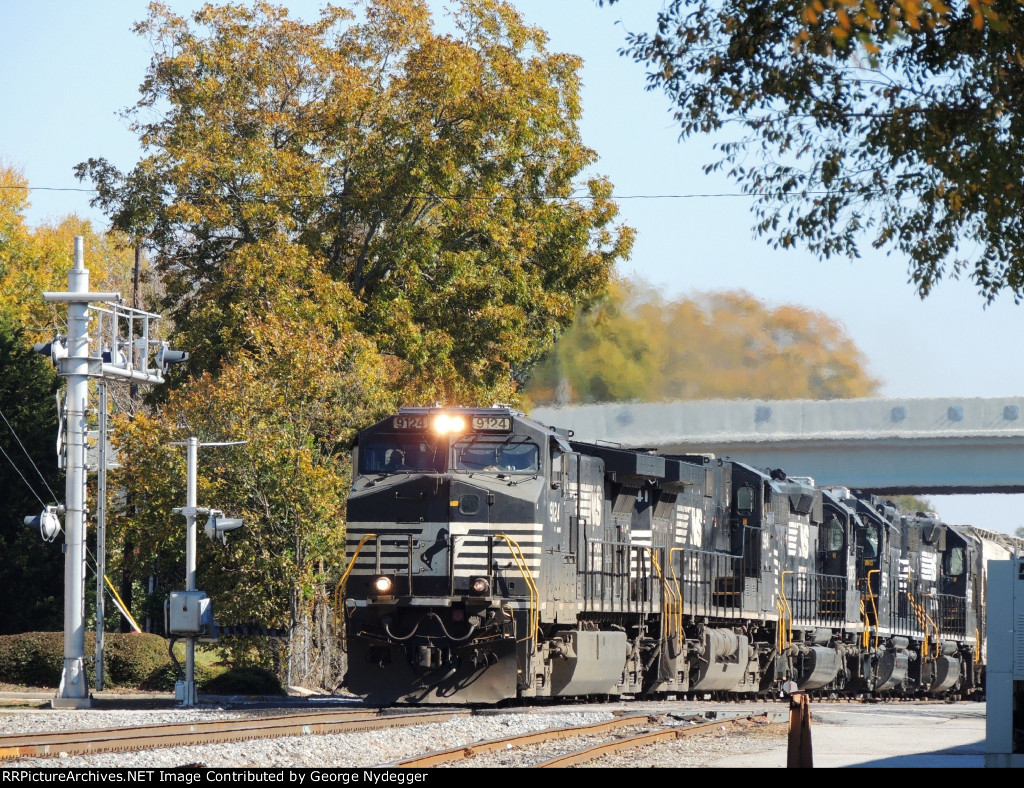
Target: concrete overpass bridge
(941, 446)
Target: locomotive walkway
(939, 446)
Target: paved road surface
(888, 736)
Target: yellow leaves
(981, 9)
(639, 345)
(865, 20)
(37, 259)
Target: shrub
(249, 680)
(36, 659)
(129, 659)
(33, 659)
(136, 660)
(163, 678)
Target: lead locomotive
(493, 558)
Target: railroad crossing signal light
(218, 526)
(56, 349)
(165, 356)
(47, 522)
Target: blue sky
(67, 68)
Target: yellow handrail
(923, 619)
(927, 623)
(786, 612)
(874, 607)
(678, 590)
(778, 632)
(534, 612)
(340, 587)
(919, 613)
(865, 636)
(668, 596)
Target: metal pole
(190, 565)
(101, 531)
(73, 691)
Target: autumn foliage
(639, 345)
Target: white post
(185, 691)
(190, 695)
(78, 367)
(74, 692)
(101, 532)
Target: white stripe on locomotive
(470, 548)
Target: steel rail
(526, 739)
(633, 742)
(85, 742)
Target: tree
(31, 480)
(432, 176)
(854, 125)
(296, 400)
(911, 504)
(347, 215)
(637, 345)
(34, 260)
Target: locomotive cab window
(867, 542)
(954, 562)
(745, 499)
(833, 540)
(400, 454)
(495, 454)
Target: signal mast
(123, 347)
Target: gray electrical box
(1004, 672)
(188, 613)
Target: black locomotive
(492, 558)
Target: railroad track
(96, 740)
(646, 730)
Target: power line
(31, 462)
(18, 470)
(694, 195)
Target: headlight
(480, 586)
(381, 585)
(445, 423)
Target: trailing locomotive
(493, 558)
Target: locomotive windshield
(509, 455)
(402, 454)
(406, 453)
(833, 536)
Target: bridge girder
(934, 446)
